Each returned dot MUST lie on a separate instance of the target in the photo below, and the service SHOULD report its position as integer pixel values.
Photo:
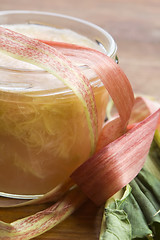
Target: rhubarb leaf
(140, 206)
(118, 225)
(146, 207)
(153, 160)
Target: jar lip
(111, 51)
(112, 45)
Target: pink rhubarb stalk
(43, 221)
(113, 78)
(118, 163)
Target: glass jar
(44, 134)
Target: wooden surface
(135, 26)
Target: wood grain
(135, 25)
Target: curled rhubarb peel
(114, 165)
(118, 163)
(48, 58)
(43, 221)
(113, 78)
(111, 130)
(144, 107)
(151, 106)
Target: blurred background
(134, 24)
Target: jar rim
(112, 47)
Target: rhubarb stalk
(41, 222)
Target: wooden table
(135, 25)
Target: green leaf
(140, 204)
(118, 226)
(136, 218)
(150, 183)
(154, 158)
(115, 225)
(136, 215)
(146, 205)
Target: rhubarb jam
(44, 133)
